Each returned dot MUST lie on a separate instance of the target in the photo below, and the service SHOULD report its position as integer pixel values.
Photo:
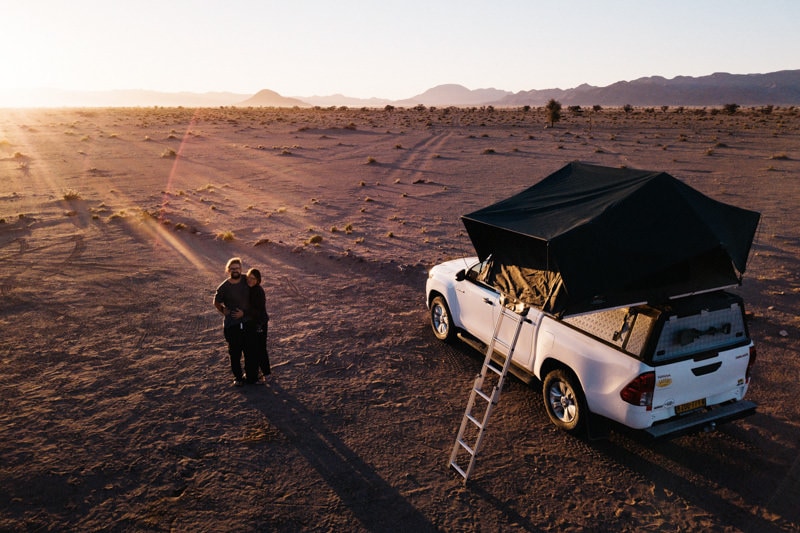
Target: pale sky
(385, 49)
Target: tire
(441, 320)
(564, 401)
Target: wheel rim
(441, 322)
(563, 402)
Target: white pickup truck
(666, 369)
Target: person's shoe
(238, 382)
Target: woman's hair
(256, 274)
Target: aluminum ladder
(473, 425)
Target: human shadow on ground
(373, 501)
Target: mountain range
(776, 88)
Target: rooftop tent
(588, 237)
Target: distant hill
(453, 94)
(267, 98)
(342, 100)
(116, 98)
(777, 88)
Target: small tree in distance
(730, 108)
(553, 109)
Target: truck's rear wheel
(564, 400)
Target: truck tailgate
(694, 384)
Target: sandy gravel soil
(116, 405)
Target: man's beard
(236, 275)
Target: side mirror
(461, 275)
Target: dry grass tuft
(71, 194)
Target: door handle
(488, 301)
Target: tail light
(640, 390)
(751, 362)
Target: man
(232, 299)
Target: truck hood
(449, 268)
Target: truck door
(478, 303)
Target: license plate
(691, 406)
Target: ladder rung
(458, 469)
(483, 395)
(475, 421)
(513, 315)
(466, 447)
(498, 371)
(504, 344)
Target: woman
(255, 329)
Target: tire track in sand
(416, 160)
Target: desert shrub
(553, 110)
(70, 194)
(627, 108)
(371, 160)
(168, 153)
(730, 108)
(226, 235)
(314, 239)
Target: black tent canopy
(588, 237)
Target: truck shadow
(759, 490)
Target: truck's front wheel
(564, 400)
(441, 323)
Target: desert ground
(118, 410)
